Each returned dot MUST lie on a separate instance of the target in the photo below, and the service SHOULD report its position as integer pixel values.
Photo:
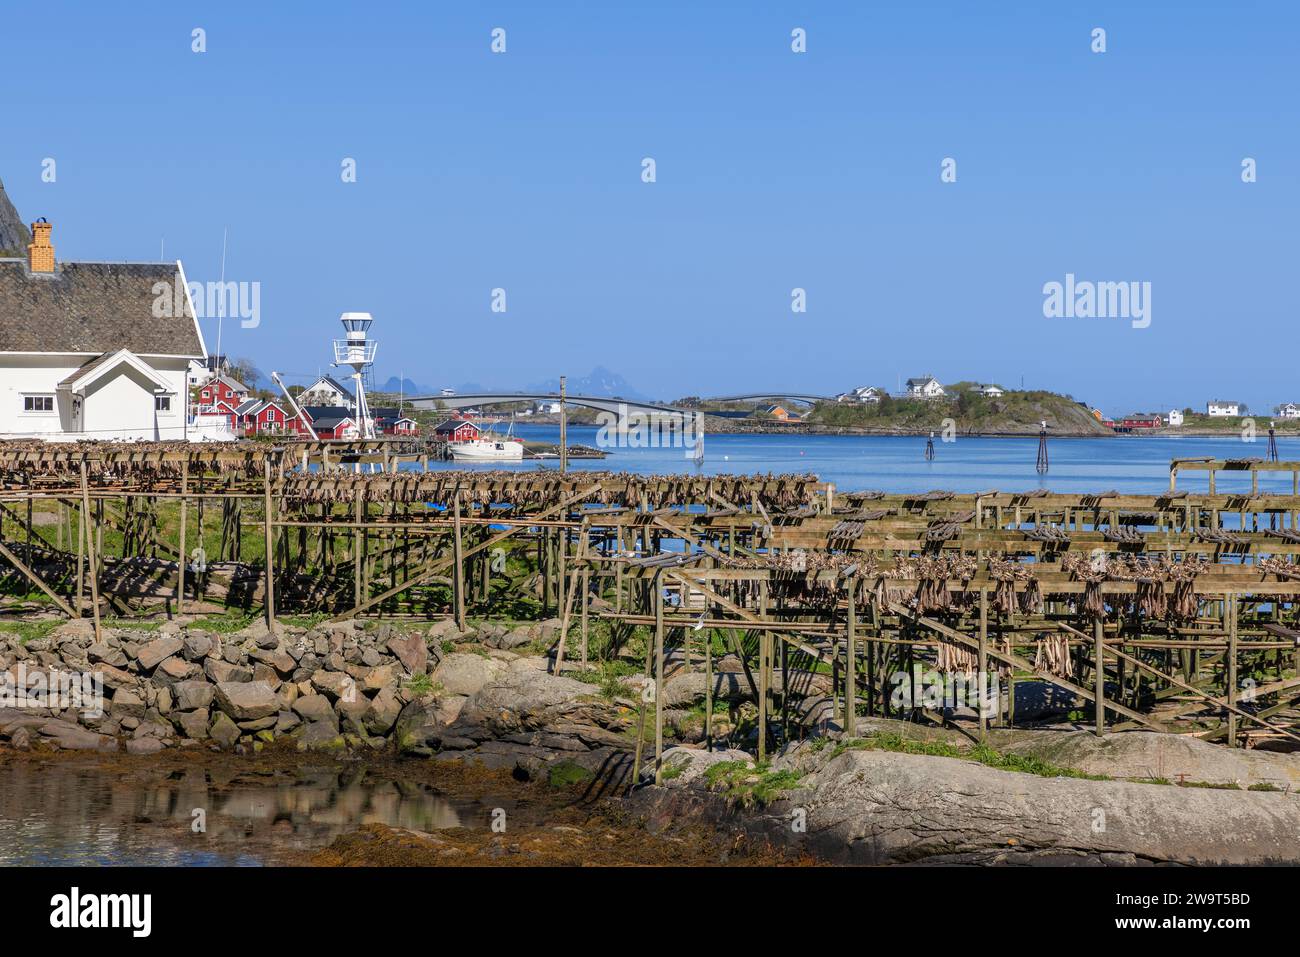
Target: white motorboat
(488, 447)
(487, 450)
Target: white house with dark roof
(94, 350)
(866, 394)
(926, 387)
(328, 391)
(1220, 408)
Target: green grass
(606, 676)
(990, 757)
(29, 630)
(750, 786)
(419, 685)
(224, 624)
(567, 774)
(671, 771)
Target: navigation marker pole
(564, 426)
(929, 447)
(1041, 466)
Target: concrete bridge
(794, 396)
(602, 403)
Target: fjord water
(1136, 464)
(86, 812)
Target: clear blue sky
(775, 170)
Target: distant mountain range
(599, 382)
(404, 386)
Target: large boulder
(246, 700)
(314, 707)
(885, 807)
(523, 699)
(106, 654)
(382, 712)
(335, 685)
(218, 670)
(412, 652)
(464, 674)
(192, 695)
(126, 704)
(320, 736)
(277, 658)
(72, 737)
(192, 724)
(1147, 754)
(197, 644)
(155, 652)
(223, 731)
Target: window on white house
(38, 403)
(162, 403)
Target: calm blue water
(897, 464)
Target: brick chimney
(40, 254)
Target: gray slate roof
(14, 234)
(92, 308)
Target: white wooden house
(94, 350)
(926, 387)
(1219, 408)
(328, 391)
(865, 394)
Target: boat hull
(505, 451)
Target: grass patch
(606, 676)
(567, 774)
(419, 685)
(674, 770)
(990, 757)
(29, 630)
(750, 786)
(224, 624)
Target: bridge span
(602, 403)
(795, 396)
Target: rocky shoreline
(485, 699)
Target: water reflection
(59, 813)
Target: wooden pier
(1174, 612)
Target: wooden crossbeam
(1022, 663)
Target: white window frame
(170, 410)
(52, 410)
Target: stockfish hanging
(1053, 655)
(954, 658)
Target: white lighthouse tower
(358, 351)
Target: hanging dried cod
(1053, 655)
(954, 658)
